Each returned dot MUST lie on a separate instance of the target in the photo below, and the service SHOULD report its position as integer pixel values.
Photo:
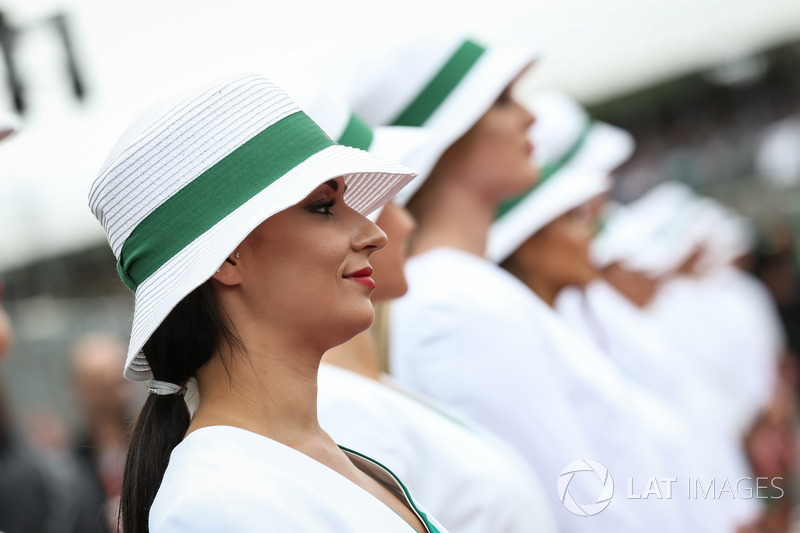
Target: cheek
(299, 276)
(580, 240)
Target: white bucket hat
(188, 181)
(576, 155)
(334, 116)
(442, 82)
(677, 240)
(732, 237)
(564, 191)
(565, 134)
(653, 234)
(8, 125)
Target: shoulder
(224, 479)
(228, 479)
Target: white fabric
(222, 478)
(470, 480)
(8, 124)
(638, 434)
(636, 343)
(729, 324)
(465, 335)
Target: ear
(229, 273)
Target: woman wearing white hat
(238, 224)
(634, 253)
(469, 479)
(458, 335)
(544, 239)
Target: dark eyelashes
(324, 207)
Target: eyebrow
(333, 184)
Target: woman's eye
(323, 208)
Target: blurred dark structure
(9, 42)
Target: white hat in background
(333, 115)
(8, 125)
(631, 229)
(566, 190)
(675, 241)
(732, 237)
(189, 180)
(577, 156)
(442, 82)
(564, 133)
(657, 233)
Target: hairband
(164, 388)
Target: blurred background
(709, 88)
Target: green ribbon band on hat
(357, 134)
(549, 170)
(216, 193)
(439, 88)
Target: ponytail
(186, 340)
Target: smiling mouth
(362, 276)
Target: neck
(545, 290)
(356, 355)
(450, 214)
(269, 388)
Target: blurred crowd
(646, 340)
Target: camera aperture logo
(585, 509)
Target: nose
(368, 236)
(526, 116)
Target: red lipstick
(362, 276)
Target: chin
(386, 291)
(361, 319)
(344, 334)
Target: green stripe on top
(216, 193)
(357, 134)
(548, 171)
(441, 85)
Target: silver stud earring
(236, 255)
(217, 271)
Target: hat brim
(564, 191)
(8, 125)
(397, 143)
(469, 101)
(371, 182)
(606, 147)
